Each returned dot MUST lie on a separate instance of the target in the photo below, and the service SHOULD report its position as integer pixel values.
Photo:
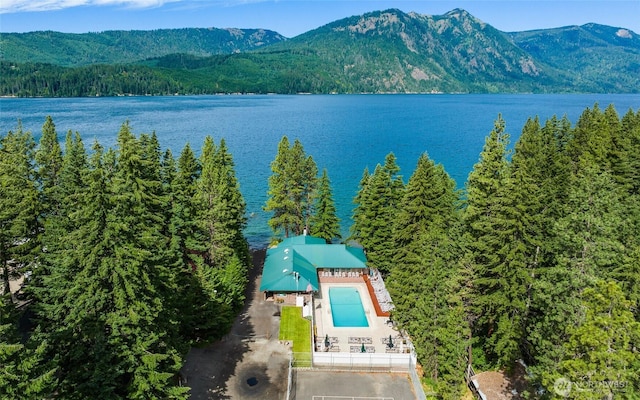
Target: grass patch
(297, 330)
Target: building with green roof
(297, 262)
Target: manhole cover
(252, 381)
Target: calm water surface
(343, 133)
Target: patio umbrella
(326, 341)
(390, 342)
(363, 349)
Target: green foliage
(588, 48)
(121, 285)
(325, 223)
(425, 284)
(495, 229)
(19, 206)
(379, 52)
(292, 189)
(118, 47)
(136, 255)
(377, 206)
(601, 357)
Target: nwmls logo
(563, 386)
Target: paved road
(249, 362)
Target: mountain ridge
(389, 51)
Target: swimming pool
(346, 307)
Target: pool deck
(375, 337)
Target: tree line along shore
(134, 255)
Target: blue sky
(293, 17)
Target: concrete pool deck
(375, 336)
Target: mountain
(379, 52)
(597, 55)
(123, 47)
(393, 51)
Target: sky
(293, 17)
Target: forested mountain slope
(379, 52)
(117, 47)
(595, 53)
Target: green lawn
(296, 329)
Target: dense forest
(537, 261)
(133, 256)
(378, 52)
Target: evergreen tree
(49, 160)
(588, 233)
(325, 223)
(626, 166)
(21, 373)
(601, 358)
(10, 349)
(19, 207)
(430, 307)
(233, 207)
(292, 188)
(71, 193)
(495, 229)
(221, 205)
(540, 172)
(360, 222)
(220, 210)
(378, 202)
(107, 319)
(279, 202)
(188, 239)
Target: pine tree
(292, 186)
(10, 349)
(70, 192)
(21, 365)
(233, 206)
(188, 239)
(49, 161)
(424, 283)
(325, 223)
(279, 202)
(221, 206)
(495, 228)
(588, 233)
(107, 296)
(540, 172)
(378, 201)
(360, 223)
(19, 206)
(601, 359)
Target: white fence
(363, 361)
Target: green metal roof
(292, 265)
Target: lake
(343, 133)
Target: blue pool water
(346, 307)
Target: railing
(290, 377)
(391, 362)
(416, 382)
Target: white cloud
(13, 6)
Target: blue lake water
(343, 133)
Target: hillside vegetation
(379, 52)
(118, 47)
